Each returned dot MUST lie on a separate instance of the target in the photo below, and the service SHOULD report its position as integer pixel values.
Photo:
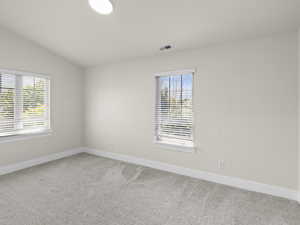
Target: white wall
(245, 106)
(66, 98)
(299, 116)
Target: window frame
(30, 133)
(173, 145)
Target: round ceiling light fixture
(101, 6)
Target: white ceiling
(140, 27)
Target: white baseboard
(226, 180)
(37, 161)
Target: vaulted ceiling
(140, 27)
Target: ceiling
(138, 28)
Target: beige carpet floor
(90, 190)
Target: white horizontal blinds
(7, 101)
(174, 108)
(24, 104)
(34, 103)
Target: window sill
(175, 147)
(20, 137)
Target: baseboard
(212, 177)
(37, 161)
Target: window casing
(24, 103)
(174, 109)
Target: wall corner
(298, 102)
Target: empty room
(149, 112)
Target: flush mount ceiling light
(101, 6)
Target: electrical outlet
(221, 164)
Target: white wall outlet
(221, 164)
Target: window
(24, 103)
(174, 108)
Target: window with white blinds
(24, 103)
(174, 108)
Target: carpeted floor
(89, 190)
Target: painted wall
(17, 53)
(245, 99)
(299, 116)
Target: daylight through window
(174, 108)
(24, 103)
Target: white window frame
(170, 145)
(31, 133)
